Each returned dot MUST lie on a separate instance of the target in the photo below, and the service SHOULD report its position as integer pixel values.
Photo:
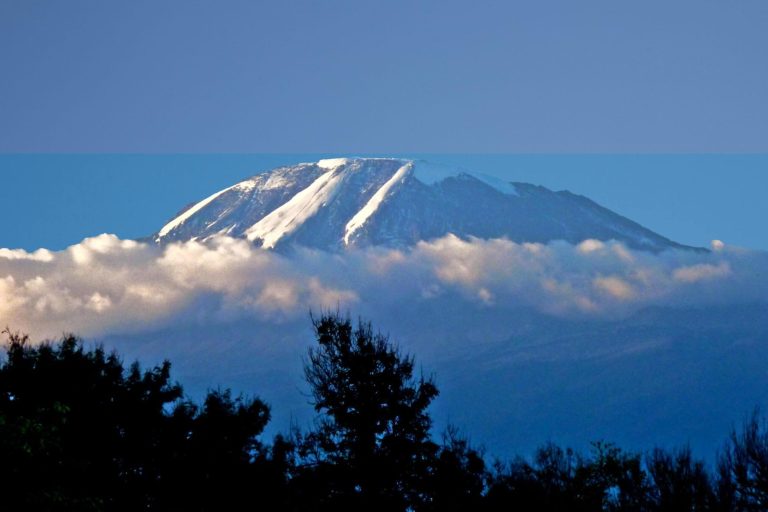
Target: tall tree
(372, 446)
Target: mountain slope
(356, 202)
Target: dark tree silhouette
(548, 484)
(459, 475)
(743, 468)
(78, 431)
(680, 483)
(615, 479)
(220, 464)
(372, 445)
(559, 479)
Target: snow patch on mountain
(344, 203)
(356, 222)
(245, 186)
(181, 219)
(332, 163)
(292, 214)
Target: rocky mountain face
(343, 203)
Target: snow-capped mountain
(343, 203)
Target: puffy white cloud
(20, 254)
(105, 284)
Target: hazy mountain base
(661, 377)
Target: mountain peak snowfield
(343, 203)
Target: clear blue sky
(56, 200)
(384, 76)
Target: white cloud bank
(106, 285)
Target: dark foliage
(458, 477)
(563, 480)
(371, 449)
(679, 482)
(743, 468)
(79, 431)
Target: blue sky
(396, 76)
(289, 80)
(54, 201)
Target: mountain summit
(342, 203)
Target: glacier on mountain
(343, 203)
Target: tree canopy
(372, 443)
(81, 431)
